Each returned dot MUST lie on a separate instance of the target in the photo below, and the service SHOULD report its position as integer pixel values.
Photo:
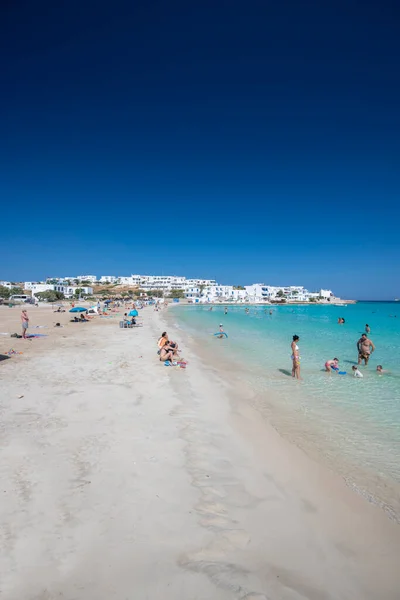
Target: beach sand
(124, 479)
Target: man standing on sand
(25, 322)
(365, 348)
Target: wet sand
(122, 478)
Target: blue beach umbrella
(78, 309)
(133, 313)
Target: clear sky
(242, 141)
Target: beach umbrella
(78, 309)
(133, 313)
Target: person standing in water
(365, 348)
(221, 332)
(295, 357)
(367, 328)
(226, 310)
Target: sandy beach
(125, 479)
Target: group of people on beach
(167, 349)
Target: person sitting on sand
(166, 354)
(332, 365)
(83, 318)
(164, 341)
(356, 372)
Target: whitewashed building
(30, 285)
(67, 290)
(91, 278)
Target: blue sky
(245, 142)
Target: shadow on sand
(285, 372)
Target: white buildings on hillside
(147, 283)
(30, 285)
(67, 290)
(203, 290)
(6, 284)
(108, 279)
(91, 278)
(292, 293)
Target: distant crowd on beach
(168, 350)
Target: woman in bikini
(166, 354)
(295, 357)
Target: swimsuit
(294, 357)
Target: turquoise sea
(351, 424)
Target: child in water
(356, 371)
(332, 365)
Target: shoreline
(291, 422)
(113, 463)
(274, 303)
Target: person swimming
(332, 365)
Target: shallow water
(354, 424)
